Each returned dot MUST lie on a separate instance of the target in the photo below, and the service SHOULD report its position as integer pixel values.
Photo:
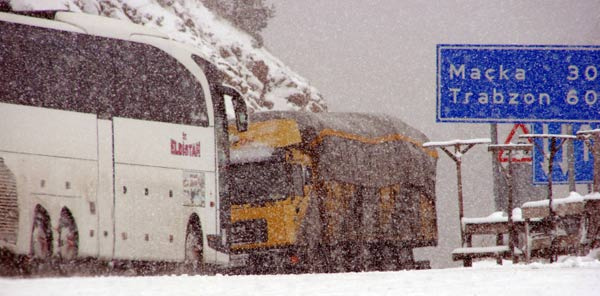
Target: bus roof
(85, 23)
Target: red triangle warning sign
(518, 129)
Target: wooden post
(550, 170)
(528, 243)
(596, 153)
(511, 225)
(499, 242)
(461, 210)
(570, 151)
(508, 173)
(595, 149)
(556, 142)
(570, 154)
(460, 148)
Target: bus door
(164, 153)
(162, 171)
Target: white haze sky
(379, 56)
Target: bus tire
(194, 244)
(68, 236)
(41, 235)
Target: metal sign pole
(570, 149)
(587, 136)
(596, 153)
(495, 166)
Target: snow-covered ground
(571, 276)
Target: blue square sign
(518, 83)
(584, 160)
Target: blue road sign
(517, 83)
(584, 160)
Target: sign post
(581, 160)
(495, 168)
(587, 136)
(520, 84)
(508, 173)
(556, 141)
(517, 130)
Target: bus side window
(90, 74)
(47, 68)
(154, 86)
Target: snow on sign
(518, 83)
(584, 161)
(522, 156)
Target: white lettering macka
(490, 74)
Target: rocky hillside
(265, 81)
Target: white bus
(112, 142)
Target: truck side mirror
(297, 180)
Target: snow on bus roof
(458, 142)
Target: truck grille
(249, 231)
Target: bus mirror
(239, 107)
(241, 113)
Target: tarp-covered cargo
(370, 180)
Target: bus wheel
(68, 236)
(193, 245)
(41, 235)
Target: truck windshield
(259, 182)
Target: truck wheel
(193, 245)
(68, 237)
(41, 236)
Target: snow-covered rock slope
(266, 82)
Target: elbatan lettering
(184, 149)
(496, 96)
